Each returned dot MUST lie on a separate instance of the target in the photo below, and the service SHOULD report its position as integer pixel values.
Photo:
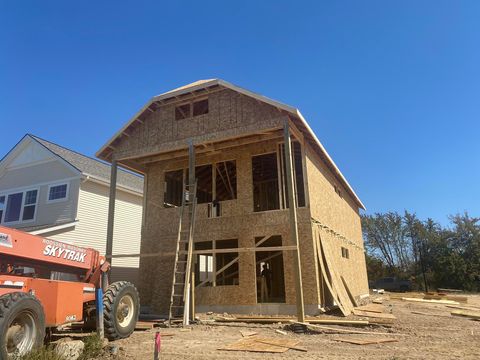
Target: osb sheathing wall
(230, 114)
(341, 214)
(240, 223)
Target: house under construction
(225, 158)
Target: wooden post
(293, 222)
(192, 296)
(188, 284)
(111, 210)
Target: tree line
(429, 254)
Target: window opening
(265, 182)
(270, 272)
(200, 107)
(173, 188)
(182, 112)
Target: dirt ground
(435, 336)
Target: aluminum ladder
(180, 294)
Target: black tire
(115, 310)
(16, 309)
(404, 288)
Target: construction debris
(462, 299)
(469, 308)
(270, 320)
(470, 314)
(374, 314)
(246, 333)
(449, 302)
(263, 344)
(372, 308)
(365, 341)
(281, 332)
(344, 331)
(429, 314)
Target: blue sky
(392, 88)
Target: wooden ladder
(183, 257)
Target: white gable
(29, 154)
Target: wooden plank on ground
(377, 308)
(459, 298)
(445, 302)
(373, 315)
(291, 344)
(246, 333)
(144, 325)
(251, 344)
(365, 341)
(469, 308)
(343, 331)
(312, 320)
(466, 313)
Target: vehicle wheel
(121, 306)
(403, 288)
(22, 324)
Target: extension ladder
(180, 294)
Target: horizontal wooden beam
(204, 252)
(207, 148)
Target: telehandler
(46, 283)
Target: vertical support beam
(111, 208)
(191, 182)
(191, 163)
(293, 222)
(192, 297)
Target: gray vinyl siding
(50, 171)
(39, 177)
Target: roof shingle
(93, 167)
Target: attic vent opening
(195, 108)
(182, 112)
(200, 107)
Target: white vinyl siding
(91, 229)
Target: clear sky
(392, 88)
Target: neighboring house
(244, 250)
(48, 190)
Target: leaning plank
(344, 331)
(373, 315)
(449, 302)
(345, 303)
(326, 279)
(350, 295)
(366, 341)
(466, 313)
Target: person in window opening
(266, 285)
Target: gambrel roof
(204, 86)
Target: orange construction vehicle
(46, 283)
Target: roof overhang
(207, 86)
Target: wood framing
(248, 238)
